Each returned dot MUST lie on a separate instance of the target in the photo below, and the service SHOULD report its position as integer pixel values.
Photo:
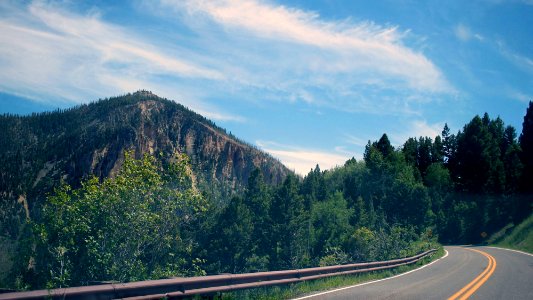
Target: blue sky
(308, 81)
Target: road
(465, 273)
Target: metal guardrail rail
(206, 285)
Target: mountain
(40, 151)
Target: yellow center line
(470, 288)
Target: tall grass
(519, 237)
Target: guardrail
(207, 285)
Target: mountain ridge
(39, 151)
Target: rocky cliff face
(38, 152)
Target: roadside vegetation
(519, 237)
(325, 284)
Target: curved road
(466, 273)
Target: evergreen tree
(437, 151)
(526, 143)
(258, 199)
(384, 146)
(449, 146)
(425, 151)
(475, 159)
(290, 226)
(410, 151)
(511, 160)
(313, 187)
(233, 244)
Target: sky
(310, 82)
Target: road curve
(466, 273)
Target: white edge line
(518, 251)
(370, 282)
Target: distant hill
(37, 152)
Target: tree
(290, 226)
(425, 151)
(437, 151)
(410, 151)
(511, 161)
(478, 158)
(313, 187)
(449, 146)
(384, 146)
(526, 143)
(105, 230)
(233, 240)
(408, 202)
(258, 199)
(330, 221)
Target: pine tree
(290, 225)
(233, 241)
(384, 146)
(258, 199)
(526, 143)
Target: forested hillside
(38, 152)
(41, 151)
(456, 188)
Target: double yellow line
(470, 288)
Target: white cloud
(422, 128)
(416, 129)
(523, 62)
(350, 139)
(56, 54)
(244, 50)
(364, 45)
(465, 34)
(211, 114)
(278, 52)
(303, 160)
(522, 97)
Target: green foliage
(242, 236)
(232, 244)
(526, 143)
(304, 288)
(334, 256)
(330, 223)
(125, 228)
(519, 237)
(289, 226)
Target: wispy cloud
(523, 62)
(212, 114)
(422, 128)
(340, 64)
(465, 34)
(525, 2)
(302, 160)
(54, 53)
(416, 129)
(242, 49)
(520, 96)
(350, 139)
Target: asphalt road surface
(466, 273)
